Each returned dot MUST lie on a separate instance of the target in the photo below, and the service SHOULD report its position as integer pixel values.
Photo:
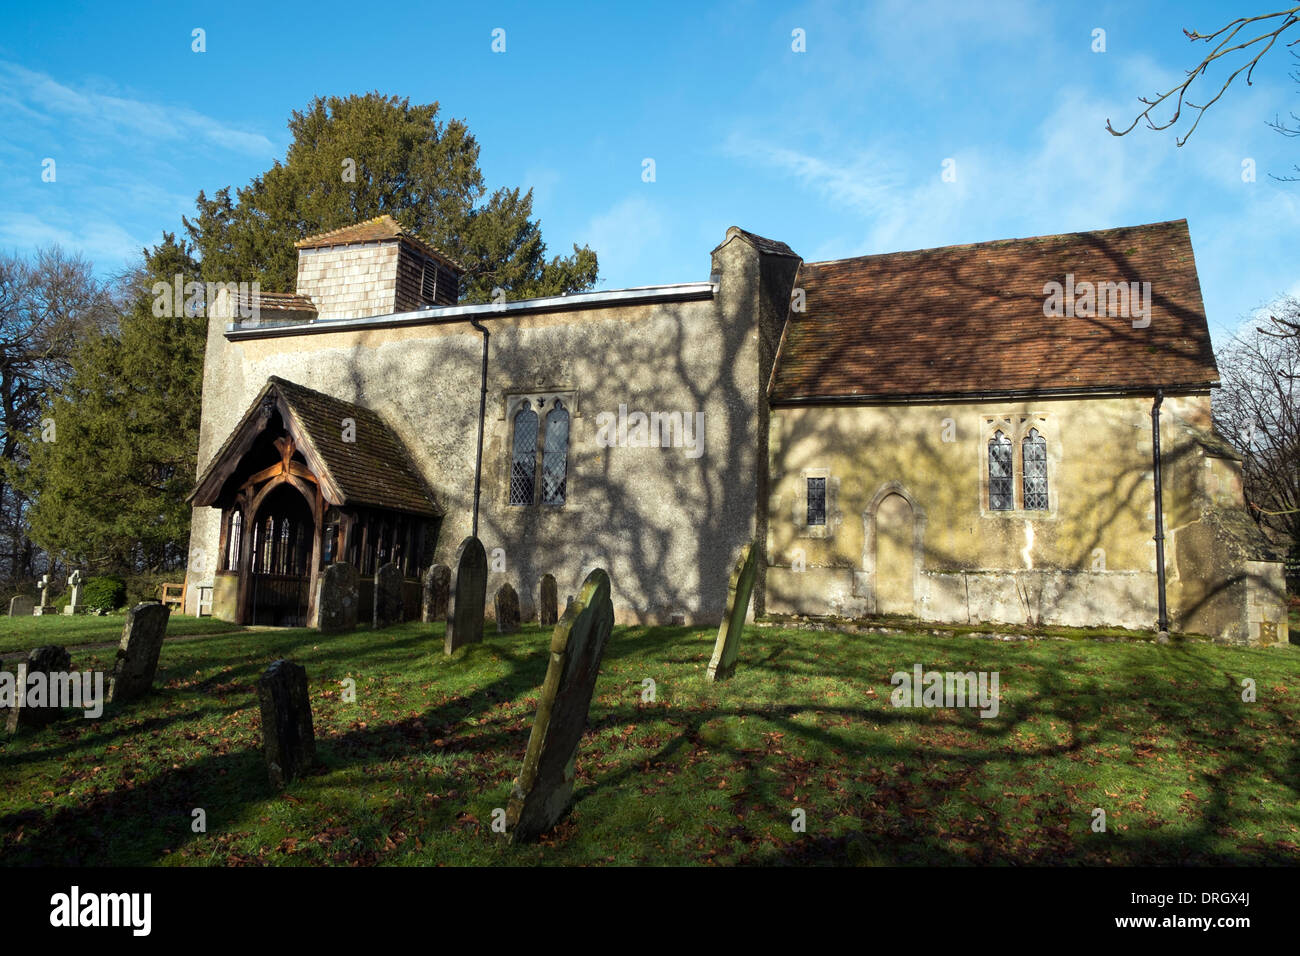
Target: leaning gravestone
(337, 600)
(388, 596)
(469, 597)
(37, 711)
(21, 606)
(542, 790)
(548, 604)
(739, 590)
(287, 735)
(507, 608)
(137, 655)
(437, 586)
(44, 607)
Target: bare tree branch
(1228, 33)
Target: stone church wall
(1088, 559)
(665, 522)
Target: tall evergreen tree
(358, 157)
(110, 481)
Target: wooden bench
(173, 595)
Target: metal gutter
(680, 292)
(929, 398)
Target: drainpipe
(1162, 621)
(482, 411)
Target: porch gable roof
(374, 470)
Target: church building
(961, 434)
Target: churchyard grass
(24, 633)
(412, 771)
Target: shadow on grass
(896, 811)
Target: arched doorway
(283, 533)
(895, 557)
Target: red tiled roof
(379, 229)
(965, 319)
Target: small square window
(816, 501)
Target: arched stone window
(523, 460)
(1034, 457)
(1001, 487)
(555, 458)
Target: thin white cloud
(623, 235)
(97, 113)
(100, 240)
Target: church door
(894, 556)
(280, 578)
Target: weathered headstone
(21, 606)
(337, 599)
(137, 655)
(287, 734)
(507, 608)
(44, 607)
(540, 795)
(548, 603)
(74, 600)
(437, 589)
(469, 596)
(25, 712)
(388, 596)
(739, 590)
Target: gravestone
(287, 735)
(437, 588)
(548, 605)
(50, 659)
(540, 795)
(21, 606)
(739, 589)
(388, 596)
(44, 607)
(74, 601)
(337, 599)
(137, 655)
(507, 607)
(469, 596)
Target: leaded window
(555, 458)
(816, 501)
(1000, 475)
(1034, 452)
(523, 460)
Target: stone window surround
(1016, 429)
(799, 512)
(542, 401)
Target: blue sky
(838, 150)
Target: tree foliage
(110, 487)
(357, 157)
(49, 304)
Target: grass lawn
(24, 633)
(1157, 736)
